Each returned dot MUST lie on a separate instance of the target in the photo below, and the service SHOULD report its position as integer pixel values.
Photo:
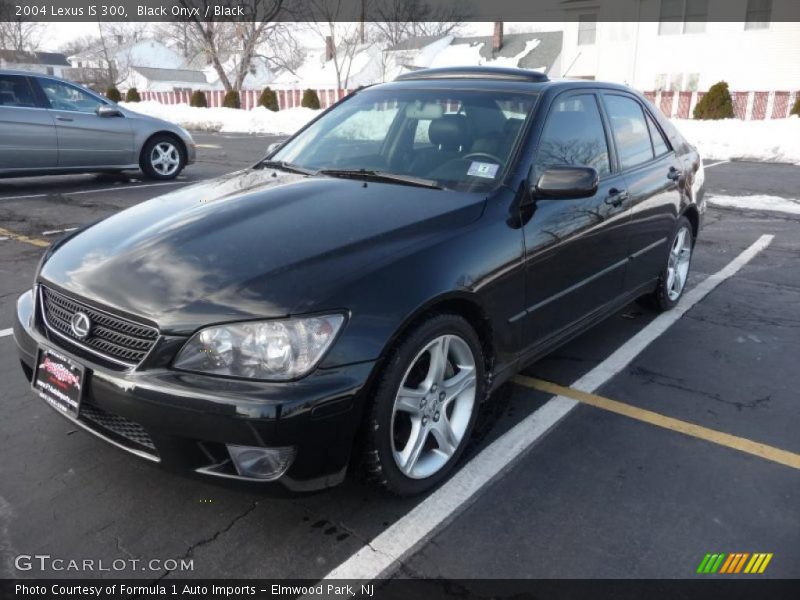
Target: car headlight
(278, 349)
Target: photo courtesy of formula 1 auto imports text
(391, 299)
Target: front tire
(162, 158)
(425, 405)
(672, 280)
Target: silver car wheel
(433, 407)
(165, 158)
(680, 256)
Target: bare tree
(283, 50)
(16, 33)
(341, 39)
(80, 45)
(399, 20)
(180, 36)
(237, 42)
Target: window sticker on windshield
(482, 169)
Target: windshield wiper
(285, 166)
(369, 175)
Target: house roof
(32, 58)
(185, 75)
(415, 43)
(543, 55)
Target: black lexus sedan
(354, 296)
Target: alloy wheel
(680, 256)
(165, 158)
(433, 406)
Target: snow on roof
(536, 51)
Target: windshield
(460, 139)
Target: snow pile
(756, 202)
(776, 140)
(227, 120)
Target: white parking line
(121, 188)
(55, 231)
(5, 332)
(412, 530)
(722, 162)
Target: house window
(682, 16)
(758, 14)
(587, 29)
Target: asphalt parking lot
(609, 491)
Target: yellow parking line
(783, 457)
(24, 238)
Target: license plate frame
(58, 380)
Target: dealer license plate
(59, 381)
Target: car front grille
(131, 434)
(118, 340)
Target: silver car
(52, 126)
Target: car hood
(255, 243)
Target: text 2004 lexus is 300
(352, 298)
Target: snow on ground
(227, 120)
(756, 202)
(775, 140)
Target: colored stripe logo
(734, 563)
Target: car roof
(35, 74)
(494, 78)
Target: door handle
(616, 197)
(60, 118)
(674, 174)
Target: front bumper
(184, 420)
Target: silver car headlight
(278, 349)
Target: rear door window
(15, 91)
(630, 131)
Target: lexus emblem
(80, 325)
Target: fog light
(261, 463)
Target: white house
(258, 75)
(676, 45)
(154, 79)
(145, 64)
(50, 63)
(318, 70)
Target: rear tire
(162, 158)
(672, 279)
(425, 406)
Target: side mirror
(108, 110)
(567, 182)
